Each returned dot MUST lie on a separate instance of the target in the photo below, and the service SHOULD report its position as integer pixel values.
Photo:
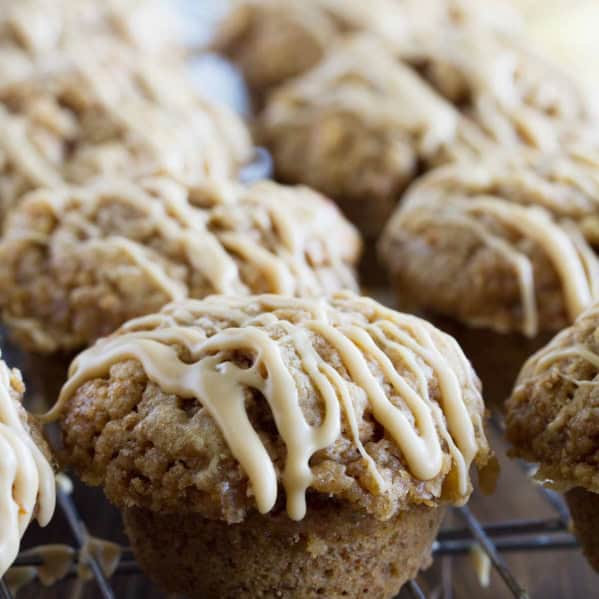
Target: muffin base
(496, 357)
(584, 509)
(333, 552)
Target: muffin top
(500, 84)
(356, 125)
(275, 40)
(27, 487)
(229, 404)
(30, 29)
(499, 243)
(553, 413)
(85, 113)
(76, 262)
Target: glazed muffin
(371, 117)
(552, 421)
(505, 87)
(86, 113)
(357, 127)
(269, 445)
(26, 474)
(77, 262)
(273, 41)
(32, 29)
(495, 253)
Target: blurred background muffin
(103, 110)
(77, 262)
(347, 427)
(496, 253)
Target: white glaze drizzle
(422, 429)
(27, 487)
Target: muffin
(26, 475)
(273, 41)
(86, 112)
(271, 446)
(552, 421)
(357, 127)
(505, 87)
(32, 29)
(371, 116)
(77, 262)
(495, 253)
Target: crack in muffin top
(77, 262)
(212, 405)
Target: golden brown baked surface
(502, 86)
(357, 127)
(77, 262)
(389, 407)
(552, 416)
(84, 113)
(499, 243)
(335, 552)
(371, 116)
(275, 40)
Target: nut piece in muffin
(101, 109)
(553, 421)
(495, 252)
(27, 488)
(302, 447)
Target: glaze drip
(27, 488)
(395, 360)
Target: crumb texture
(553, 414)
(84, 112)
(145, 412)
(478, 242)
(78, 262)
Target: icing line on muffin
(27, 487)
(573, 261)
(219, 385)
(177, 222)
